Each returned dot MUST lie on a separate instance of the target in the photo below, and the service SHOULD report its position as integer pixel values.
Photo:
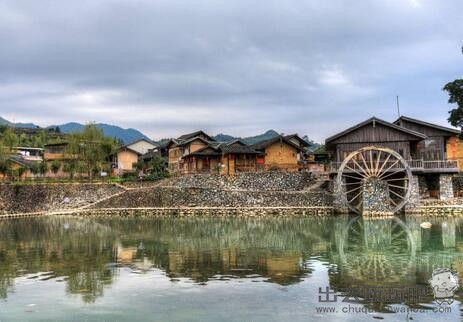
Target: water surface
(141, 268)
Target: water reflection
(86, 253)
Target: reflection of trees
(76, 248)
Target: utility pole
(398, 106)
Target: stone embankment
(265, 181)
(201, 193)
(435, 207)
(32, 198)
(201, 197)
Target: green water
(214, 269)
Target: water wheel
(374, 251)
(382, 165)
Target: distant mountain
(22, 125)
(248, 140)
(223, 137)
(125, 135)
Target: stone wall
(50, 197)
(415, 193)
(265, 181)
(445, 187)
(200, 197)
(376, 198)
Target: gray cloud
(239, 67)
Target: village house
(423, 145)
(124, 159)
(197, 152)
(441, 143)
(179, 148)
(21, 160)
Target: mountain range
(21, 125)
(125, 135)
(248, 140)
(130, 135)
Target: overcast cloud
(239, 67)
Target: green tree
(92, 149)
(157, 168)
(55, 166)
(10, 139)
(455, 91)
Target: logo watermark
(444, 283)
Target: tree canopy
(455, 91)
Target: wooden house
(19, 168)
(423, 145)
(183, 146)
(375, 132)
(56, 151)
(197, 152)
(441, 143)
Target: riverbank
(245, 195)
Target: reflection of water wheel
(378, 250)
(374, 163)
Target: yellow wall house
(280, 153)
(127, 155)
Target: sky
(241, 67)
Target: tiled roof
(189, 136)
(263, 144)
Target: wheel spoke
(363, 176)
(397, 179)
(354, 189)
(365, 163)
(371, 163)
(385, 162)
(389, 168)
(350, 183)
(356, 196)
(352, 177)
(401, 197)
(391, 174)
(358, 165)
(377, 163)
(400, 187)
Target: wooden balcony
(417, 166)
(289, 167)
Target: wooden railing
(285, 167)
(415, 165)
(440, 164)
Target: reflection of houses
(128, 155)
(197, 152)
(422, 144)
(284, 269)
